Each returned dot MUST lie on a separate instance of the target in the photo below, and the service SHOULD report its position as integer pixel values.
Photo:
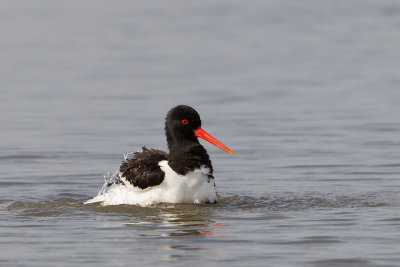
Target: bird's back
(142, 170)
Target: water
(305, 93)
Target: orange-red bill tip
(204, 135)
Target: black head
(180, 123)
(183, 127)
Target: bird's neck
(187, 157)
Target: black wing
(142, 170)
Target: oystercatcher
(184, 175)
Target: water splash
(109, 179)
(129, 155)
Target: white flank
(194, 187)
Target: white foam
(194, 187)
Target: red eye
(185, 121)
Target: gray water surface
(306, 93)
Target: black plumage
(142, 170)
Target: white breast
(194, 187)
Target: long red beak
(203, 134)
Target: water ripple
(285, 202)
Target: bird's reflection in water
(177, 220)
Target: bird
(184, 175)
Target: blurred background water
(306, 93)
